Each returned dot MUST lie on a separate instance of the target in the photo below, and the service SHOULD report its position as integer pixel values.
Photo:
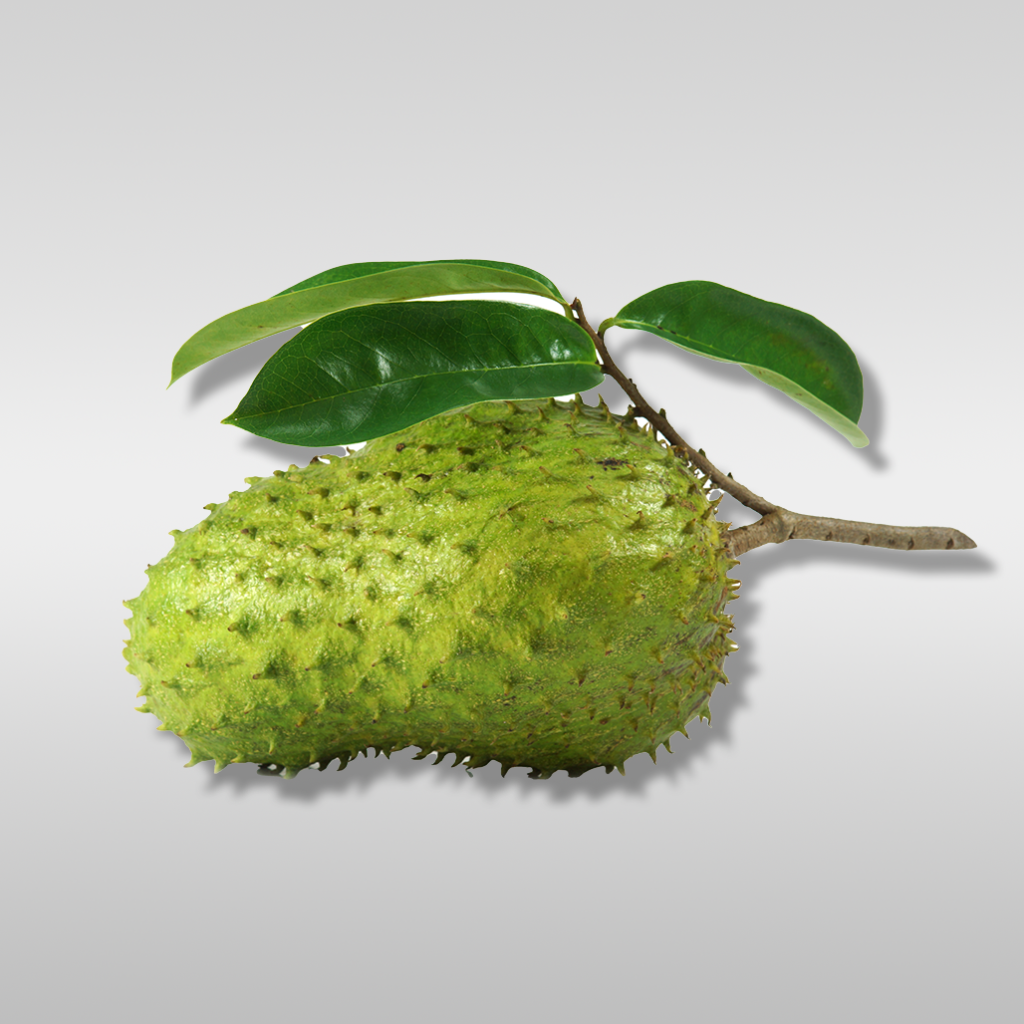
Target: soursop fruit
(540, 583)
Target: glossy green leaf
(364, 372)
(787, 349)
(357, 284)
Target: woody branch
(777, 524)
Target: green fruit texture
(539, 583)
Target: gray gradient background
(844, 843)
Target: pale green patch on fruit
(538, 583)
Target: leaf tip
(855, 435)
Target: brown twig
(776, 525)
(782, 525)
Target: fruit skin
(540, 583)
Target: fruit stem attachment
(777, 524)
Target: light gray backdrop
(844, 843)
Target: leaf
(369, 371)
(356, 284)
(787, 349)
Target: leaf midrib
(401, 380)
(696, 342)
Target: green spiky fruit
(538, 583)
